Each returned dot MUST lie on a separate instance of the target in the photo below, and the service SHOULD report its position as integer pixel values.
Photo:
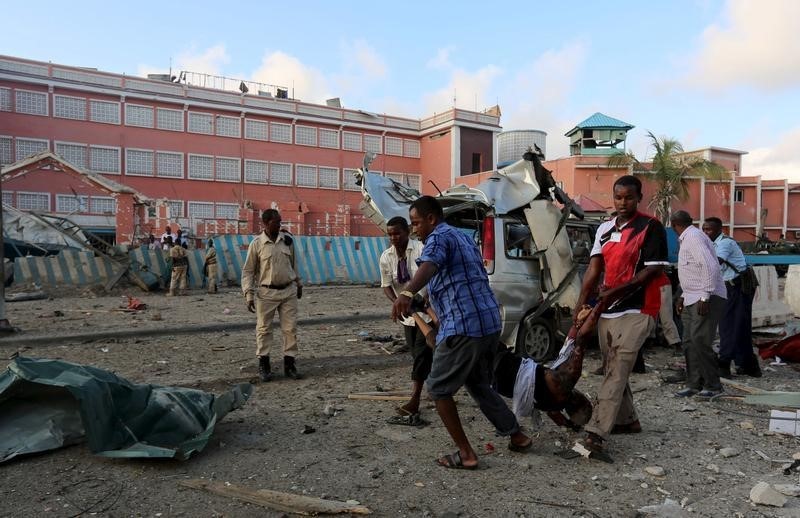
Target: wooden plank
(286, 502)
(380, 397)
(741, 386)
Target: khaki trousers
(620, 341)
(212, 278)
(178, 280)
(285, 303)
(668, 326)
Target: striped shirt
(459, 291)
(698, 268)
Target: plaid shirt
(459, 291)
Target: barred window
(349, 181)
(169, 164)
(256, 171)
(30, 146)
(201, 123)
(175, 209)
(280, 174)
(351, 141)
(372, 143)
(8, 198)
(201, 209)
(33, 201)
(75, 154)
(32, 103)
(67, 203)
(168, 119)
(256, 130)
(414, 181)
(137, 115)
(228, 126)
(228, 169)
(305, 135)
(102, 205)
(104, 159)
(279, 132)
(394, 146)
(6, 151)
(104, 111)
(138, 162)
(67, 107)
(329, 177)
(305, 175)
(411, 148)
(329, 138)
(397, 177)
(201, 167)
(5, 99)
(227, 211)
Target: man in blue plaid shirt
(469, 330)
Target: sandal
(402, 411)
(594, 443)
(407, 420)
(520, 448)
(454, 461)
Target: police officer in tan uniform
(270, 282)
(211, 266)
(180, 263)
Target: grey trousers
(698, 334)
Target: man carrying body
(630, 252)
(469, 330)
(735, 327)
(700, 306)
(397, 265)
(180, 263)
(210, 266)
(269, 275)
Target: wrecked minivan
(514, 219)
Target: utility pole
(5, 326)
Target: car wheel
(536, 339)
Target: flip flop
(403, 412)
(520, 449)
(407, 420)
(453, 461)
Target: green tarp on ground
(47, 404)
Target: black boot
(752, 369)
(725, 369)
(264, 369)
(289, 368)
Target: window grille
(201, 209)
(136, 115)
(411, 148)
(394, 146)
(138, 162)
(6, 151)
(75, 154)
(228, 169)
(414, 181)
(102, 205)
(279, 132)
(66, 107)
(329, 138)
(280, 174)
(168, 119)
(66, 203)
(104, 111)
(5, 99)
(305, 175)
(27, 147)
(169, 164)
(8, 198)
(201, 167)
(256, 130)
(201, 123)
(228, 126)
(397, 177)
(31, 103)
(349, 181)
(227, 211)
(372, 143)
(33, 201)
(329, 177)
(104, 159)
(305, 135)
(256, 171)
(351, 141)
(175, 209)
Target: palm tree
(670, 168)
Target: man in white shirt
(700, 307)
(398, 263)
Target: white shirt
(698, 268)
(388, 266)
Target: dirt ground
(355, 455)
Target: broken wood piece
(286, 502)
(19, 297)
(378, 396)
(741, 386)
(384, 393)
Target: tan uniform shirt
(211, 255)
(178, 255)
(268, 263)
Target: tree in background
(670, 168)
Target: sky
(723, 73)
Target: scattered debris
(308, 429)
(787, 489)
(330, 410)
(728, 452)
(136, 304)
(746, 425)
(763, 494)
(785, 422)
(32, 295)
(397, 395)
(656, 471)
(669, 509)
(713, 467)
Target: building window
(69, 203)
(33, 201)
(738, 195)
(372, 143)
(305, 175)
(201, 168)
(104, 159)
(66, 107)
(411, 148)
(201, 123)
(167, 119)
(30, 146)
(256, 171)
(32, 103)
(476, 163)
(8, 198)
(280, 174)
(256, 130)
(6, 151)
(228, 126)
(103, 205)
(279, 132)
(5, 99)
(305, 135)
(397, 177)
(228, 169)
(175, 209)
(414, 181)
(137, 115)
(394, 146)
(138, 162)
(104, 111)
(351, 141)
(75, 154)
(349, 180)
(201, 210)
(169, 164)
(227, 211)
(329, 177)
(329, 138)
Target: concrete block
(763, 494)
(768, 308)
(791, 291)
